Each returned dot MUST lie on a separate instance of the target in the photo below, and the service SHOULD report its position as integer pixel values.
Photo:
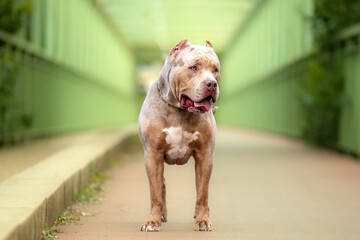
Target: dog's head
(190, 77)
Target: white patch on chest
(179, 141)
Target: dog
(176, 122)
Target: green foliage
(322, 101)
(12, 117)
(322, 90)
(48, 234)
(12, 13)
(67, 217)
(90, 194)
(330, 18)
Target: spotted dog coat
(176, 122)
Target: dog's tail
(214, 109)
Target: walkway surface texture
(262, 187)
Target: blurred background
(291, 67)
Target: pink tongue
(205, 105)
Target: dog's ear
(208, 44)
(180, 46)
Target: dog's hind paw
(150, 226)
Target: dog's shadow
(178, 227)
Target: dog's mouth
(198, 107)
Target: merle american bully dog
(176, 122)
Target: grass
(72, 215)
(90, 194)
(49, 234)
(67, 217)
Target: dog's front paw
(203, 224)
(150, 226)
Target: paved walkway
(263, 187)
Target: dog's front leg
(155, 171)
(203, 169)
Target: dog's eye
(194, 68)
(216, 70)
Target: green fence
(263, 69)
(73, 72)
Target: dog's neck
(166, 94)
(163, 85)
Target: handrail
(270, 75)
(22, 44)
(39, 53)
(347, 33)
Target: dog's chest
(179, 140)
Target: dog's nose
(211, 85)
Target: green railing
(276, 35)
(73, 71)
(265, 66)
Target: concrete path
(263, 187)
